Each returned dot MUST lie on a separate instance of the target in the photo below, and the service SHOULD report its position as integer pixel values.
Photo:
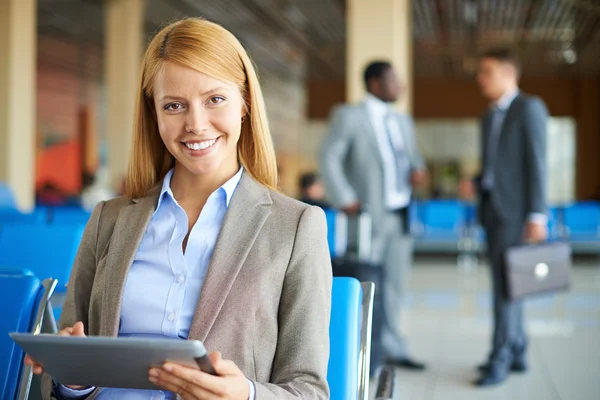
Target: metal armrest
(43, 313)
(364, 358)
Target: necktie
(400, 157)
(492, 146)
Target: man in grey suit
(512, 192)
(370, 162)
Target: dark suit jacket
(520, 169)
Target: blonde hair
(211, 49)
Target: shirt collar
(228, 187)
(504, 102)
(377, 106)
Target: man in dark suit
(512, 191)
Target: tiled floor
(448, 325)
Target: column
(379, 29)
(18, 39)
(123, 54)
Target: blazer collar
(249, 209)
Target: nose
(197, 119)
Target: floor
(447, 321)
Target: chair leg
(386, 383)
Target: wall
(578, 98)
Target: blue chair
(582, 221)
(6, 196)
(443, 226)
(25, 309)
(9, 215)
(555, 227)
(350, 339)
(70, 215)
(46, 250)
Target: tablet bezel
(117, 362)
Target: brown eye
(173, 107)
(216, 100)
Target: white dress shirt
(164, 283)
(379, 115)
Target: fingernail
(153, 379)
(153, 372)
(168, 367)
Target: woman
(203, 247)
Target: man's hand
(352, 209)
(466, 189)
(418, 178)
(535, 232)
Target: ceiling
(298, 38)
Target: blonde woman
(203, 247)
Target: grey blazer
(351, 162)
(266, 299)
(520, 168)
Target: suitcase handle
(364, 235)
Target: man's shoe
(406, 363)
(497, 373)
(517, 366)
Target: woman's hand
(37, 368)
(193, 384)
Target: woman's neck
(187, 187)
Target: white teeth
(200, 145)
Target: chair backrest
(19, 292)
(7, 199)
(344, 333)
(69, 215)
(46, 250)
(446, 215)
(582, 217)
(9, 215)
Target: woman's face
(199, 119)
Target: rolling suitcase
(350, 243)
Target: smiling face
(199, 120)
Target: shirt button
(180, 279)
(171, 316)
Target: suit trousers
(509, 335)
(392, 248)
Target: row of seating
(45, 215)
(449, 225)
(28, 308)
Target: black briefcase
(538, 269)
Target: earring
(243, 118)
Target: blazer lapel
(247, 213)
(127, 235)
(371, 134)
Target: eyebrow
(169, 97)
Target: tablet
(120, 362)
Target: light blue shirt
(174, 278)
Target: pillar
(379, 29)
(18, 39)
(124, 45)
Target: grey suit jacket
(520, 169)
(351, 162)
(266, 299)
